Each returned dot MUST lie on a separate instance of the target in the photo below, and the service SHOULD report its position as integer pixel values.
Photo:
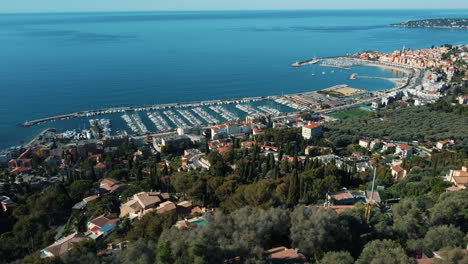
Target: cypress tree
(294, 188)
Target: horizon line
(222, 10)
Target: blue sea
(65, 62)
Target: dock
(123, 110)
(353, 76)
(313, 61)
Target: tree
(141, 252)
(164, 253)
(294, 191)
(340, 257)
(80, 189)
(451, 209)
(384, 252)
(246, 232)
(439, 237)
(151, 226)
(409, 218)
(317, 230)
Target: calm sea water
(59, 63)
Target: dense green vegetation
(415, 224)
(263, 201)
(407, 124)
(352, 113)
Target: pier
(313, 61)
(394, 80)
(126, 109)
(38, 136)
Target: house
(224, 149)
(404, 150)
(269, 148)
(141, 202)
(111, 185)
(166, 140)
(184, 208)
(388, 147)
(376, 104)
(257, 131)
(341, 198)
(458, 178)
(62, 246)
(444, 144)
(82, 204)
(101, 226)
(463, 99)
(398, 172)
(248, 144)
(285, 255)
(91, 198)
(165, 207)
(374, 144)
(312, 130)
(364, 143)
(103, 220)
(227, 129)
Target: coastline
(399, 83)
(95, 112)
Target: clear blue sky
(11, 6)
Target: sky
(27, 6)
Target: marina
(205, 115)
(290, 104)
(159, 121)
(226, 114)
(100, 127)
(247, 109)
(190, 117)
(175, 119)
(135, 123)
(269, 110)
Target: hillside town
(371, 174)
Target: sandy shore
(396, 68)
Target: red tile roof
(248, 144)
(405, 147)
(341, 196)
(313, 125)
(397, 168)
(223, 149)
